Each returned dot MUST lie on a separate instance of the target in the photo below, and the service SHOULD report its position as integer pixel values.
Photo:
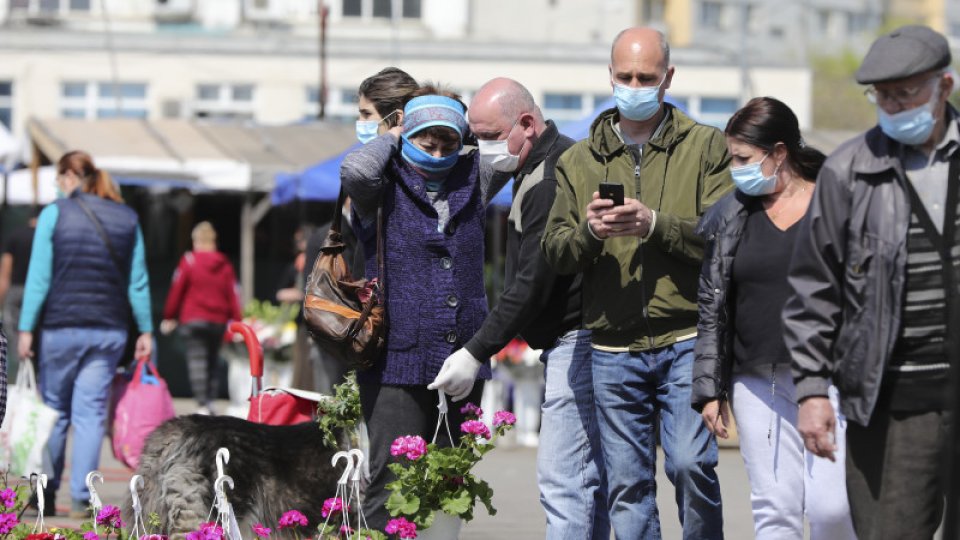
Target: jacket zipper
(643, 294)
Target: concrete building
(790, 31)
(258, 59)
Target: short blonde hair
(204, 233)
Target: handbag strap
(103, 234)
(337, 227)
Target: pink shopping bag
(140, 405)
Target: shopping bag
(284, 406)
(141, 404)
(27, 426)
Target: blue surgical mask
(433, 166)
(367, 130)
(750, 180)
(637, 104)
(912, 126)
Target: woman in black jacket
(740, 353)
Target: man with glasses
(874, 276)
(640, 261)
(543, 308)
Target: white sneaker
(205, 410)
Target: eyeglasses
(903, 96)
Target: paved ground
(511, 471)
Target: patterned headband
(428, 111)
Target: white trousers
(787, 481)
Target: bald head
(641, 40)
(503, 109)
(510, 97)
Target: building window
(380, 9)
(857, 23)
(6, 104)
(653, 11)
(341, 104)
(49, 7)
(715, 111)
(88, 99)
(711, 15)
(224, 101)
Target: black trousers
(202, 341)
(394, 411)
(895, 470)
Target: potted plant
(434, 487)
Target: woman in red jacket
(202, 297)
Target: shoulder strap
(336, 227)
(103, 234)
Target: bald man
(543, 308)
(641, 263)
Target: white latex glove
(457, 375)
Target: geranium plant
(431, 479)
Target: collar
(653, 136)
(541, 149)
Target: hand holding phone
(613, 192)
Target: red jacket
(204, 288)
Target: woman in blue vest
(434, 198)
(87, 271)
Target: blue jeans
(631, 390)
(572, 489)
(77, 366)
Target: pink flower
(144, 537)
(109, 516)
(471, 410)
(207, 531)
(402, 528)
(504, 418)
(292, 518)
(8, 522)
(261, 531)
(413, 447)
(332, 506)
(90, 535)
(9, 497)
(346, 530)
(475, 427)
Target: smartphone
(614, 192)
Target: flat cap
(902, 53)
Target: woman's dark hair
(389, 90)
(92, 180)
(765, 121)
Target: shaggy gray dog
(274, 469)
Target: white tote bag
(27, 426)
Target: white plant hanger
(343, 493)
(95, 503)
(138, 529)
(41, 484)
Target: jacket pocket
(470, 317)
(403, 324)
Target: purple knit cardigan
(435, 295)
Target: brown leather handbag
(343, 314)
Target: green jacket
(635, 295)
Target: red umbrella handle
(253, 349)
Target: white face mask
(497, 155)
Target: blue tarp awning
(320, 182)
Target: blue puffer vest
(86, 288)
(435, 295)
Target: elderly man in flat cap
(874, 279)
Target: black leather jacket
(720, 227)
(847, 275)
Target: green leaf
(459, 504)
